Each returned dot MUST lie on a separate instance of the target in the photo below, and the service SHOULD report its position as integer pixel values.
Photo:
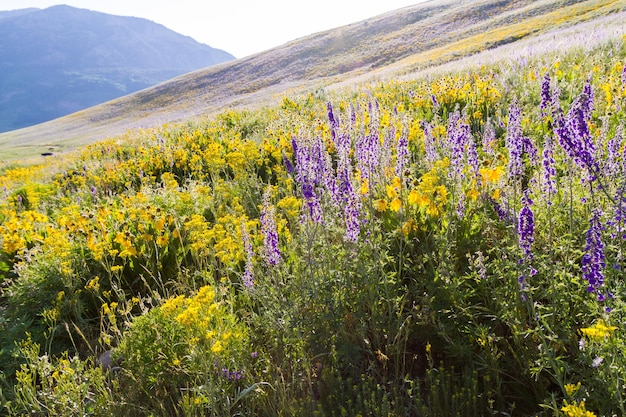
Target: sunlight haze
(240, 27)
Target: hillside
(60, 60)
(407, 40)
(439, 236)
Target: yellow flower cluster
(431, 195)
(576, 410)
(21, 229)
(206, 320)
(599, 331)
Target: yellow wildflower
(571, 389)
(598, 331)
(492, 175)
(576, 410)
(217, 347)
(473, 194)
(396, 204)
(380, 205)
(365, 187)
(417, 198)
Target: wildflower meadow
(450, 245)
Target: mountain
(401, 43)
(62, 59)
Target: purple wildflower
(402, 152)
(433, 100)
(312, 172)
(624, 76)
(429, 142)
(233, 375)
(458, 137)
(526, 232)
(347, 198)
(593, 261)
(367, 154)
(548, 183)
(248, 274)
(472, 159)
(501, 211)
(334, 123)
(288, 165)
(546, 97)
(368, 149)
(526, 227)
(597, 361)
(573, 131)
(268, 228)
(514, 142)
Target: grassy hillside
(436, 245)
(389, 45)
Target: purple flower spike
(526, 227)
(514, 142)
(573, 131)
(429, 142)
(593, 262)
(546, 97)
(548, 183)
(268, 228)
(402, 154)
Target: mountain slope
(390, 45)
(62, 59)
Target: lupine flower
(526, 232)
(402, 153)
(334, 123)
(514, 142)
(248, 275)
(312, 171)
(501, 211)
(526, 227)
(429, 143)
(546, 98)
(548, 183)
(433, 100)
(624, 76)
(367, 155)
(472, 159)
(573, 131)
(288, 165)
(348, 198)
(459, 133)
(593, 262)
(268, 228)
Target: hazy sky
(241, 27)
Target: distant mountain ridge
(62, 59)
